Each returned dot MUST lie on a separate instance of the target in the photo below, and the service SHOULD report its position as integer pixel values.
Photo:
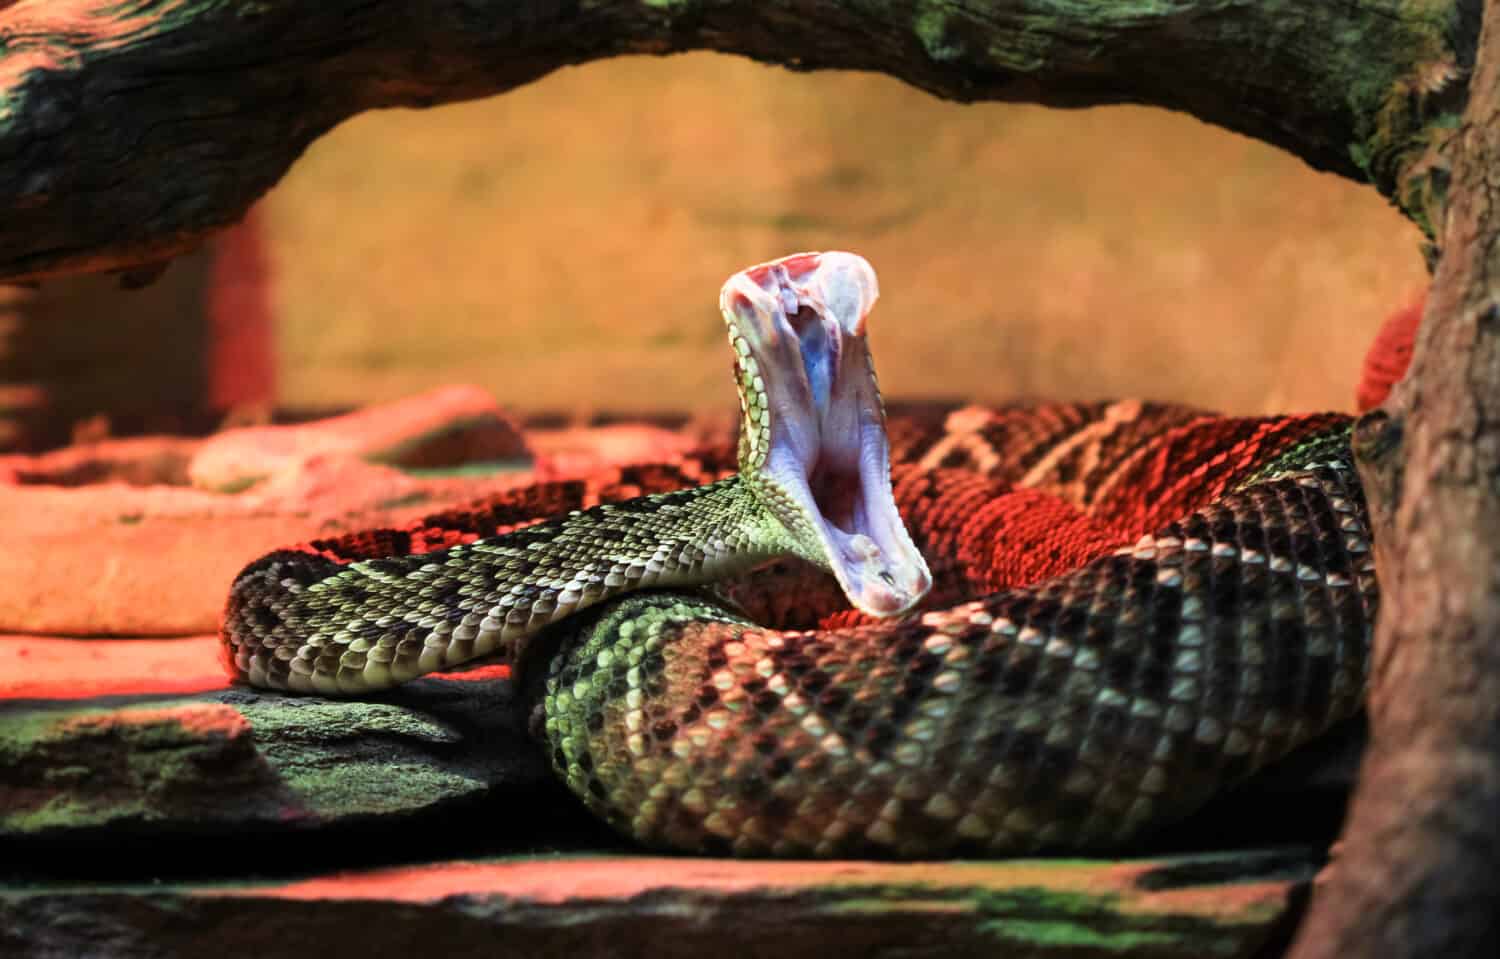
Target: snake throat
(815, 447)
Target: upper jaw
(823, 451)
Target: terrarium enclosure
(322, 274)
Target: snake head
(813, 443)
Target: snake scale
(1128, 608)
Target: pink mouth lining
(804, 318)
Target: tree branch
(130, 130)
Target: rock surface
(141, 537)
(1199, 907)
(147, 808)
(144, 739)
(446, 426)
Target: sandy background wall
(564, 244)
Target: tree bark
(131, 129)
(1418, 872)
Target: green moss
(202, 761)
(1054, 933)
(1360, 154)
(330, 776)
(932, 28)
(54, 814)
(95, 767)
(1055, 908)
(1408, 109)
(1017, 57)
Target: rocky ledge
(586, 905)
(148, 809)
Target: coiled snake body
(1168, 600)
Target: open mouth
(823, 463)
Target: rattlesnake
(1166, 601)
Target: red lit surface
(34, 667)
(39, 667)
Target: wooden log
(129, 132)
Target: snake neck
(307, 623)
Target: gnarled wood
(131, 130)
